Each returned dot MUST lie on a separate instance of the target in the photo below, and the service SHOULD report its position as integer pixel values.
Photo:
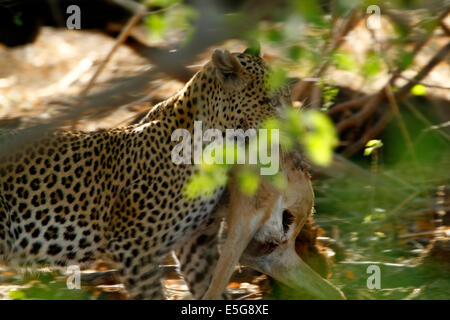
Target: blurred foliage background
(370, 94)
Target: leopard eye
(288, 219)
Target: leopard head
(231, 91)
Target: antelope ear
(229, 70)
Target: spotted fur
(74, 197)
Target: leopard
(74, 197)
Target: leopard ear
(229, 70)
(225, 62)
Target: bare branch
(119, 41)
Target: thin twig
(397, 73)
(406, 136)
(359, 118)
(445, 27)
(209, 30)
(316, 96)
(119, 41)
(438, 57)
(341, 164)
(375, 130)
(422, 234)
(369, 103)
(370, 106)
(403, 129)
(354, 103)
(404, 202)
(435, 86)
(132, 6)
(438, 126)
(422, 118)
(162, 9)
(338, 39)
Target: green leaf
(404, 59)
(276, 78)
(342, 7)
(380, 234)
(329, 94)
(310, 10)
(205, 182)
(180, 20)
(372, 66)
(279, 181)
(320, 139)
(254, 48)
(274, 35)
(294, 123)
(378, 214)
(291, 128)
(248, 182)
(156, 24)
(372, 145)
(284, 134)
(419, 90)
(16, 295)
(312, 129)
(401, 29)
(294, 52)
(344, 60)
(428, 25)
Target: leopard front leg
(141, 274)
(133, 250)
(4, 218)
(198, 256)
